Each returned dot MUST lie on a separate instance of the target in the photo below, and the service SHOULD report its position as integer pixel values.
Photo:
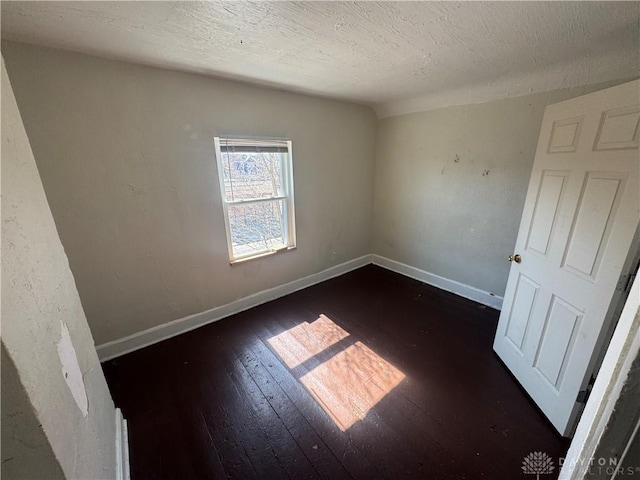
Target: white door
(579, 219)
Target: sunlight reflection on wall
(344, 376)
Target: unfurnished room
(320, 240)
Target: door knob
(515, 258)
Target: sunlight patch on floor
(302, 342)
(347, 384)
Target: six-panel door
(580, 215)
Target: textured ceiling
(398, 57)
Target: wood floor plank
(310, 443)
(226, 423)
(376, 439)
(368, 375)
(285, 448)
(389, 439)
(340, 444)
(457, 371)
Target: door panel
(565, 135)
(595, 215)
(558, 339)
(524, 299)
(618, 129)
(545, 214)
(580, 216)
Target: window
(256, 183)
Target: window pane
(250, 175)
(257, 227)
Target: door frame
(622, 351)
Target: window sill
(260, 255)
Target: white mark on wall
(71, 369)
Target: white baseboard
(466, 291)
(122, 448)
(139, 340)
(153, 335)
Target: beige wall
(450, 186)
(126, 157)
(20, 426)
(39, 296)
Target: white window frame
(288, 214)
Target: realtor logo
(537, 463)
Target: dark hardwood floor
(369, 375)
